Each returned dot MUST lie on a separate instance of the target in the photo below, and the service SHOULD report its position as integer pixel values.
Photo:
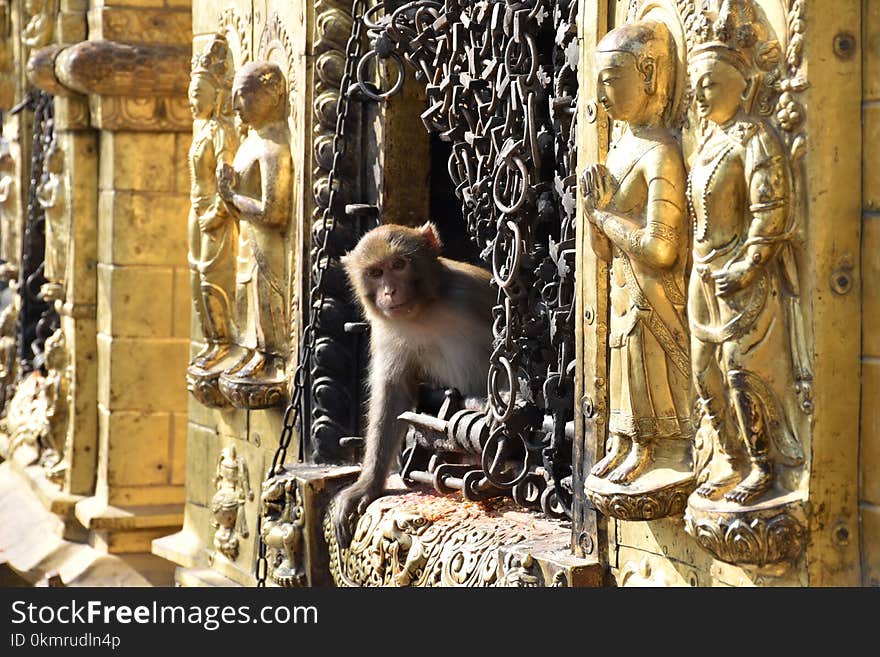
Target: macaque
(431, 322)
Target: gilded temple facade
(677, 200)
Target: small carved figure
(10, 217)
(637, 211)
(740, 198)
(233, 485)
(52, 197)
(213, 232)
(257, 192)
(38, 30)
(8, 318)
(38, 413)
(430, 321)
(282, 530)
(396, 546)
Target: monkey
(430, 322)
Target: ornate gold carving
(749, 352)
(37, 416)
(233, 486)
(277, 46)
(257, 191)
(764, 535)
(8, 362)
(146, 114)
(7, 69)
(40, 23)
(424, 541)
(155, 26)
(237, 30)
(213, 233)
(52, 195)
(282, 525)
(10, 214)
(636, 205)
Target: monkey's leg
(709, 382)
(620, 446)
(753, 431)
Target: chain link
(293, 414)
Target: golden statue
(37, 32)
(38, 414)
(740, 197)
(233, 486)
(638, 222)
(213, 232)
(257, 191)
(10, 217)
(52, 197)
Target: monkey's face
(391, 286)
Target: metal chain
(293, 414)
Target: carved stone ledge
(762, 534)
(641, 500)
(425, 540)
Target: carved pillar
(124, 81)
(771, 292)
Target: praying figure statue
(636, 207)
(52, 197)
(213, 231)
(257, 191)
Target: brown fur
(431, 322)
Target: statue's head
(210, 79)
(258, 94)
(635, 65)
(728, 55)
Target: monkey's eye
(374, 272)
(398, 263)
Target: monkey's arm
(393, 392)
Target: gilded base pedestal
(254, 394)
(204, 385)
(766, 533)
(658, 494)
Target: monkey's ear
(429, 232)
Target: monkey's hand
(348, 505)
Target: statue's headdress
(730, 30)
(214, 60)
